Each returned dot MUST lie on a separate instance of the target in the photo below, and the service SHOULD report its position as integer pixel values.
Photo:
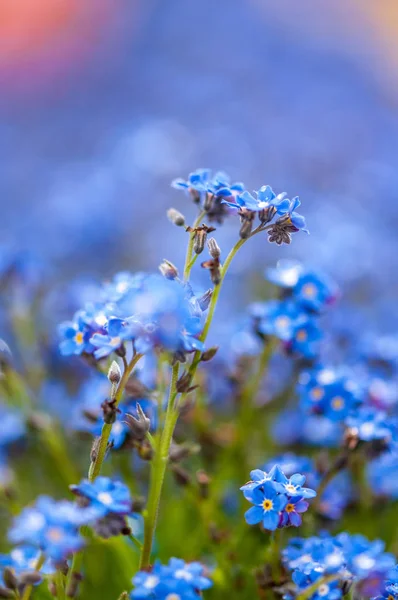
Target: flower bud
(5, 593)
(139, 425)
(168, 270)
(181, 476)
(10, 579)
(176, 217)
(29, 578)
(214, 248)
(114, 373)
(73, 585)
(209, 354)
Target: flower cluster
(337, 563)
(218, 198)
(149, 310)
(176, 580)
(278, 501)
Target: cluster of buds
(14, 585)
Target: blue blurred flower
(177, 579)
(105, 495)
(118, 331)
(51, 526)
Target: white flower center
(105, 498)
(183, 574)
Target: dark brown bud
(204, 482)
(168, 270)
(109, 411)
(200, 236)
(138, 505)
(181, 476)
(215, 269)
(184, 383)
(114, 373)
(246, 219)
(144, 450)
(175, 217)
(209, 354)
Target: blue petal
(254, 515)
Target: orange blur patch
(28, 26)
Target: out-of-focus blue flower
(278, 318)
(326, 392)
(25, 558)
(382, 474)
(369, 424)
(51, 526)
(286, 274)
(105, 496)
(314, 291)
(12, 426)
(177, 579)
(365, 558)
(118, 331)
(309, 574)
(306, 339)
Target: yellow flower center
(317, 393)
(116, 341)
(309, 290)
(338, 403)
(301, 335)
(79, 337)
(268, 505)
(289, 508)
(54, 534)
(282, 322)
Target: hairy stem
(96, 465)
(158, 470)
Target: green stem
(310, 590)
(158, 470)
(136, 542)
(60, 585)
(96, 466)
(188, 258)
(28, 590)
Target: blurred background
(104, 102)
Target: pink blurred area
(45, 42)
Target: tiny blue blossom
(105, 496)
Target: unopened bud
(5, 593)
(204, 482)
(200, 240)
(181, 476)
(10, 579)
(168, 270)
(176, 217)
(247, 224)
(214, 248)
(29, 578)
(209, 354)
(114, 373)
(139, 425)
(184, 383)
